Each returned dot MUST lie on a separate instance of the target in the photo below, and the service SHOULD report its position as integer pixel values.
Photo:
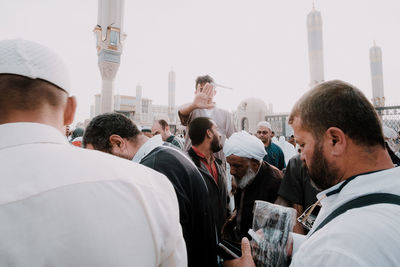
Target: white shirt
(367, 236)
(62, 205)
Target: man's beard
(215, 144)
(323, 174)
(246, 179)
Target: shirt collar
(21, 133)
(147, 147)
(170, 138)
(198, 153)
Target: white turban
(244, 145)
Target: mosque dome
(249, 112)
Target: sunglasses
(306, 219)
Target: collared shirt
(175, 141)
(211, 169)
(275, 156)
(147, 147)
(65, 206)
(367, 236)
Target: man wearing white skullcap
(255, 179)
(65, 206)
(274, 154)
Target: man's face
(215, 145)
(264, 134)
(322, 172)
(241, 170)
(120, 148)
(292, 141)
(157, 129)
(67, 131)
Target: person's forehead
(299, 132)
(236, 159)
(263, 128)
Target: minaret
(109, 36)
(315, 47)
(375, 57)
(138, 109)
(171, 96)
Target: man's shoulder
(271, 171)
(108, 167)
(372, 226)
(170, 157)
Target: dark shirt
(275, 156)
(264, 187)
(175, 141)
(195, 212)
(296, 185)
(216, 188)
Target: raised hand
(204, 96)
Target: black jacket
(194, 207)
(217, 192)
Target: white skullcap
(34, 61)
(244, 145)
(264, 124)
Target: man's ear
(209, 133)
(70, 109)
(117, 141)
(336, 141)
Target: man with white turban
(255, 179)
(274, 154)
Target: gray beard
(246, 179)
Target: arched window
(245, 124)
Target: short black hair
(339, 104)
(163, 124)
(25, 94)
(204, 79)
(198, 129)
(101, 127)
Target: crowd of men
(132, 196)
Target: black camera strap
(366, 200)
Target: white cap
(264, 124)
(33, 60)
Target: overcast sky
(258, 47)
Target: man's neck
(267, 143)
(377, 160)
(204, 148)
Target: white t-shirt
(367, 236)
(62, 205)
